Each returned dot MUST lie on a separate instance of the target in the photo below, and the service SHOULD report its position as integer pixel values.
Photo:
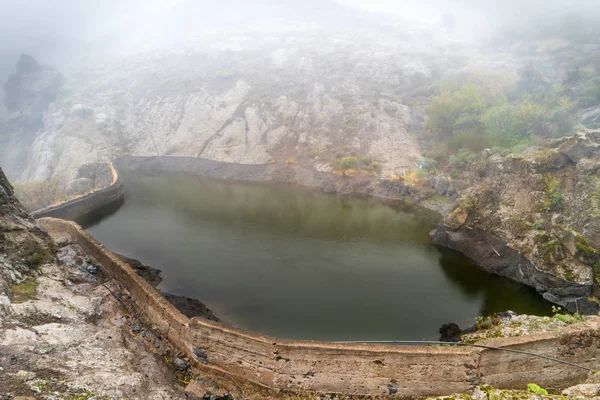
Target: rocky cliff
(535, 218)
(304, 95)
(62, 334)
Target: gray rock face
(591, 232)
(492, 254)
(27, 95)
(32, 87)
(579, 147)
(441, 184)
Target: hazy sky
(43, 26)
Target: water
(300, 265)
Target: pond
(302, 265)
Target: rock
(392, 388)
(591, 117)
(92, 269)
(451, 191)
(450, 332)
(324, 167)
(586, 390)
(180, 364)
(79, 186)
(567, 238)
(201, 355)
(591, 231)
(25, 376)
(579, 147)
(441, 184)
(586, 165)
(32, 88)
(479, 394)
(507, 314)
(64, 241)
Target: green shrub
(36, 259)
(533, 388)
(553, 198)
(463, 159)
(538, 226)
(584, 247)
(349, 162)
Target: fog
(57, 30)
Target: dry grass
(37, 195)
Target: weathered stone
(441, 184)
(450, 332)
(586, 165)
(567, 238)
(578, 148)
(591, 232)
(584, 390)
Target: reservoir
(302, 265)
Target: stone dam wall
(353, 369)
(78, 207)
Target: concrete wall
(349, 368)
(89, 202)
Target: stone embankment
(358, 369)
(88, 202)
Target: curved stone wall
(353, 369)
(87, 203)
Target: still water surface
(301, 265)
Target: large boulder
(579, 147)
(441, 184)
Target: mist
(60, 31)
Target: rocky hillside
(342, 97)
(535, 218)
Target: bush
(533, 388)
(462, 159)
(36, 259)
(553, 197)
(348, 162)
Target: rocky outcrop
(534, 219)
(61, 329)
(27, 94)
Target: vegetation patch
(37, 195)
(25, 290)
(584, 247)
(553, 199)
(533, 388)
(346, 160)
(36, 259)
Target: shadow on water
(299, 264)
(90, 219)
(497, 293)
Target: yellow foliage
(566, 103)
(40, 194)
